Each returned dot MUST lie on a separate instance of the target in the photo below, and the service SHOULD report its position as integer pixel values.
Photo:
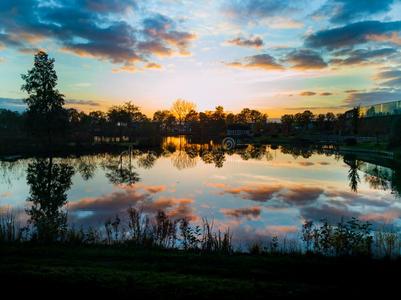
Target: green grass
(171, 273)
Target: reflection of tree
(48, 182)
(216, 156)
(377, 178)
(353, 175)
(297, 151)
(86, 167)
(396, 181)
(121, 171)
(181, 160)
(147, 160)
(253, 152)
(11, 170)
(192, 151)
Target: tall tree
(45, 116)
(181, 108)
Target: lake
(256, 191)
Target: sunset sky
(275, 56)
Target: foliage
(45, 116)
(346, 238)
(181, 108)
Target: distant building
(238, 130)
(382, 109)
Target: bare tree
(181, 108)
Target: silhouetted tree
(355, 119)
(45, 115)
(287, 121)
(165, 118)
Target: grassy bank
(171, 273)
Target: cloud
(362, 56)
(326, 94)
(161, 30)
(350, 35)
(259, 61)
(250, 213)
(95, 29)
(305, 59)
(345, 11)
(20, 106)
(391, 74)
(153, 66)
(251, 10)
(255, 42)
(373, 97)
(12, 104)
(82, 102)
(393, 38)
(307, 93)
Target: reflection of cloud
(289, 193)
(306, 163)
(385, 217)
(155, 188)
(280, 229)
(115, 201)
(328, 212)
(251, 213)
(307, 93)
(118, 202)
(5, 195)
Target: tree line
(47, 119)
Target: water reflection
(257, 190)
(120, 169)
(48, 182)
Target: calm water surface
(256, 191)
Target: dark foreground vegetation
(126, 271)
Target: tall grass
(10, 229)
(346, 238)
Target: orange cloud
(153, 66)
(155, 188)
(307, 93)
(393, 38)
